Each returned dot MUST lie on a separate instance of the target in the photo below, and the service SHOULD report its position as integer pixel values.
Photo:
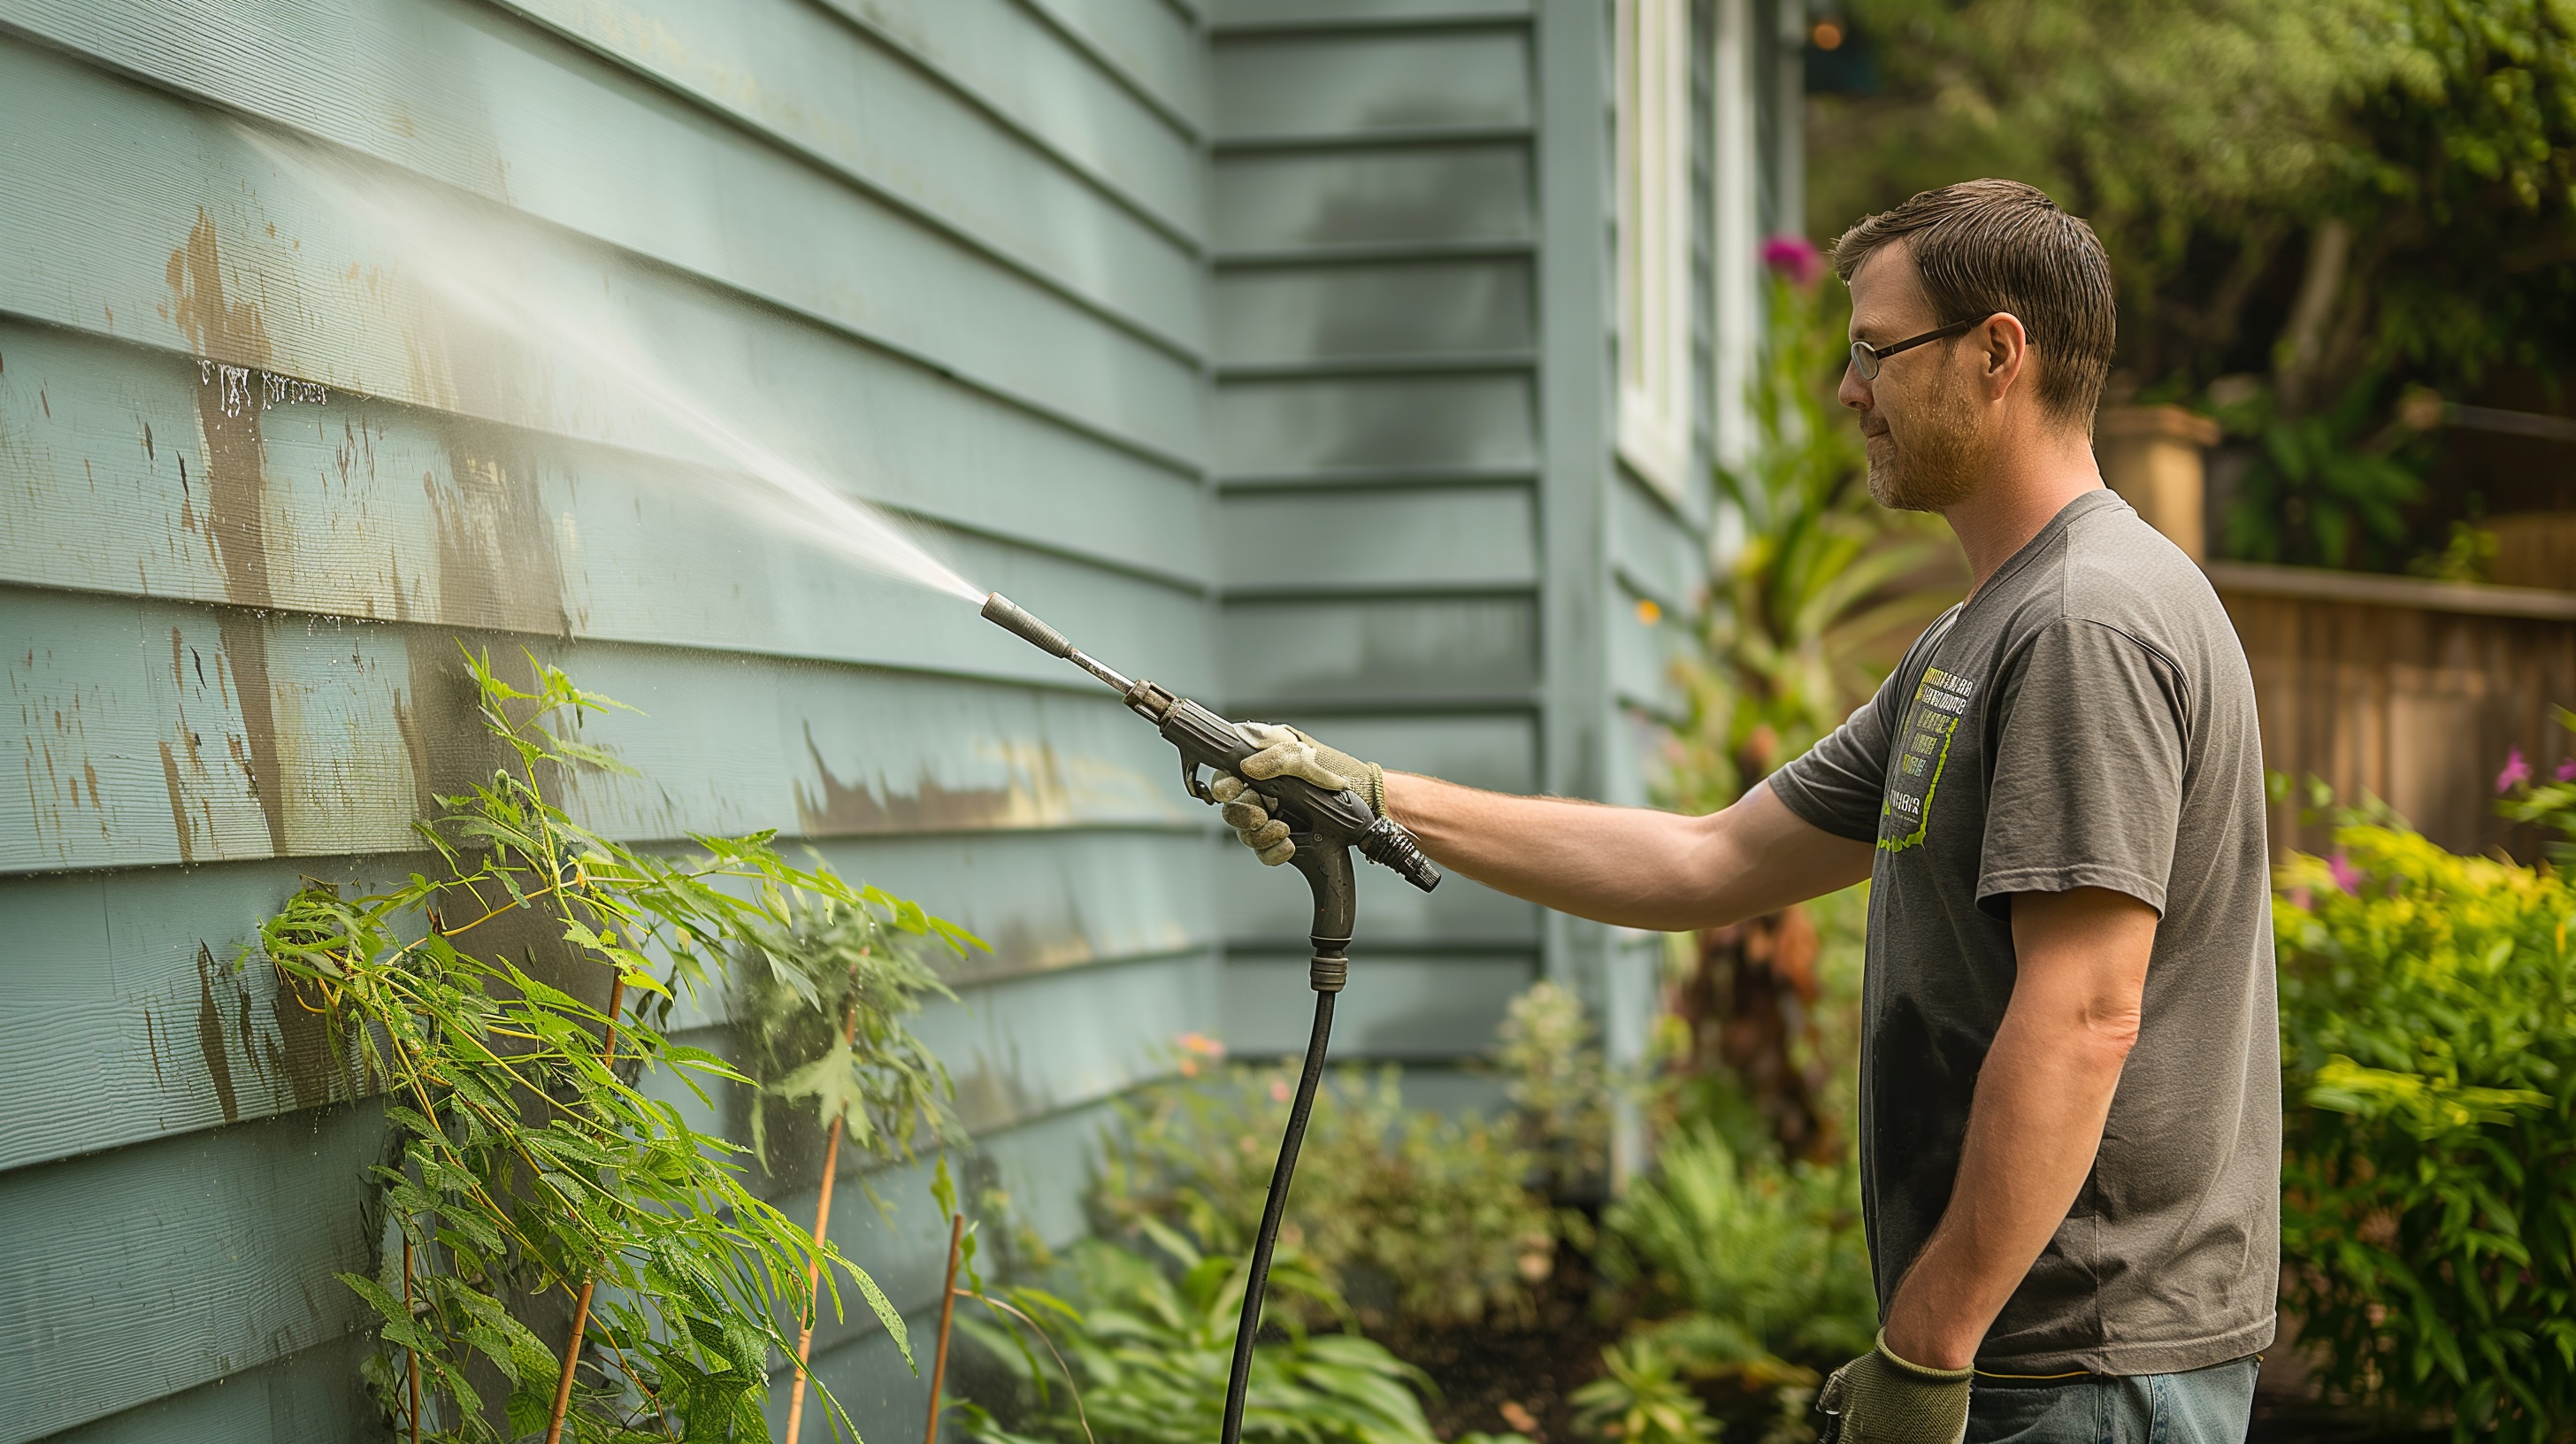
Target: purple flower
(2346, 876)
(2516, 771)
(1793, 258)
(2566, 770)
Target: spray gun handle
(1341, 819)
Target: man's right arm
(1631, 866)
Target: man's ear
(2007, 352)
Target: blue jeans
(2204, 1406)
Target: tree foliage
(533, 1158)
(2303, 199)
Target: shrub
(1551, 1064)
(1430, 1212)
(1151, 1346)
(2429, 1067)
(1744, 1267)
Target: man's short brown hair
(1984, 246)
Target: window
(1654, 240)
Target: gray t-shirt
(2085, 720)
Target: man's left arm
(2042, 1097)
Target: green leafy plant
(532, 1176)
(1431, 1213)
(2428, 1030)
(1795, 632)
(1744, 1268)
(1150, 1342)
(824, 1016)
(1643, 1399)
(1549, 1056)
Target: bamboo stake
(947, 1311)
(814, 1266)
(411, 1357)
(581, 1301)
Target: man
(2070, 1111)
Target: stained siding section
(950, 256)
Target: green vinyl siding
(1263, 346)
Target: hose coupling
(1329, 971)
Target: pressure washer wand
(1324, 826)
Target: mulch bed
(1494, 1380)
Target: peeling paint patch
(210, 1037)
(178, 805)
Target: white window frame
(1654, 241)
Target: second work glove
(1287, 752)
(1880, 1398)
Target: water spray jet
(1325, 826)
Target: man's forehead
(1885, 285)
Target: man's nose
(1854, 392)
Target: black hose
(1272, 1209)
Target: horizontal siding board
(124, 188)
(139, 1273)
(1421, 308)
(1153, 45)
(1448, 194)
(828, 90)
(1643, 654)
(1479, 536)
(1344, 12)
(148, 733)
(1270, 909)
(1325, 650)
(1336, 85)
(1395, 1008)
(1322, 426)
(118, 989)
(366, 508)
(303, 1398)
(1037, 79)
(1661, 554)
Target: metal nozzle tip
(1008, 615)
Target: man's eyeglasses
(1866, 358)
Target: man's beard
(1939, 465)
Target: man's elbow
(2109, 1030)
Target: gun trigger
(1190, 782)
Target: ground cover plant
(1147, 1336)
(2428, 1028)
(535, 1180)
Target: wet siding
(254, 499)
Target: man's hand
(1880, 1398)
(1287, 752)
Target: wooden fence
(2413, 692)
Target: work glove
(1287, 752)
(1880, 1398)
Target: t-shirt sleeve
(2088, 769)
(1840, 783)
